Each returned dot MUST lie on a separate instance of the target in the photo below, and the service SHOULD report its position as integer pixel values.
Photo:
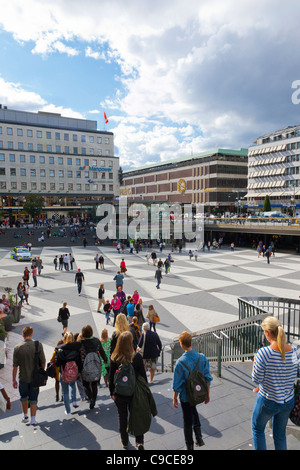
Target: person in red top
(115, 305)
(123, 267)
(135, 297)
(34, 275)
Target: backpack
(91, 370)
(196, 386)
(70, 372)
(125, 380)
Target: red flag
(105, 118)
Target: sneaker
(75, 405)
(25, 419)
(140, 447)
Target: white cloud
(191, 77)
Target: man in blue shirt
(130, 310)
(190, 415)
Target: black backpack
(124, 380)
(196, 386)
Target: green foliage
(34, 205)
(267, 204)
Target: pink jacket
(115, 304)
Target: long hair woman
(125, 353)
(121, 326)
(275, 371)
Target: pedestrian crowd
(80, 360)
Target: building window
(22, 158)
(51, 160)
(49, 148)
(39, 134)
(87, 187)
(83, 138)
(107, 140)
(12, 157)
(70, 174)
(13, 185)
(67, 149)
(69, 161)
(57, 135)
(3, 185)
(66, 136)
(20, 146)
(78, 161)
(103, 187)
(99, 140)
(10, 145)
(30, 146)
(48, 135)
(78, 187)
(74, 137)
(23, 186)
(99, 151)
(86, 162)
(40, 147)
(20, 132)
(13, 172)
(111, 187)
(2, 171)
(60, 161)
(95, 187)
(9, 131)
(52, 173)
(42, 159)
(33, 172)
(70, 186)
(2, 157)
(83, 151)
(78, 174)
(29, 133)
(58, 147)
(43, 186)
(42, 173)
(61, 173)
(61, 186)
(32, 158)
(34, 186)
(75, 150)
(91, 139)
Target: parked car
(20, 253)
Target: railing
(241, 339)
(286, 310)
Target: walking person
(123, 267)
(123, 354)
(275, 370)
(107, 309)
(115, 305)
(105, 341)
(20, 292)
(101, 300)
(39, 265)
(96, 259)
(138, 312)
(268, 255)
(55, 262)
(91, 345)
(66, 262)
(61, 262)
(158, 277)
(64, 315)
(71, 261)
(34, 273)
(68, 361)
(26, 275)
(23, 361)
(119, 278)
(150, 346)
(101, 262)
(79, 279)
(191, 421)
(25, 288)
(151, 315)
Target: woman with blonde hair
(121, 326)
(275, 370)
(150, 315)
(124, 353)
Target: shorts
(150, 363)
(28, 392)
(64, 323)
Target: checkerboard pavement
(195, 295)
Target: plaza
(195, 295)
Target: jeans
(65, 391)
(191, 422)
(35, 281)
(263, 411)
(152, 324)
(28, 392)
(79, 286)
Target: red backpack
(70, 372)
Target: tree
(34, 205)
(267, 204)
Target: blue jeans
(65, 391)
(263, 411)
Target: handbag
(51, 370)
(40, 376)
(295, 413)
(156, 319)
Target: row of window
(48, 148)
(57, 135)
(33, 172)
(60, 160)
(23, 186)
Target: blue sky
(173, 80)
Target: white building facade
(274, 169)
(68, 161)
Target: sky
(174, 78)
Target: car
(20, 253)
